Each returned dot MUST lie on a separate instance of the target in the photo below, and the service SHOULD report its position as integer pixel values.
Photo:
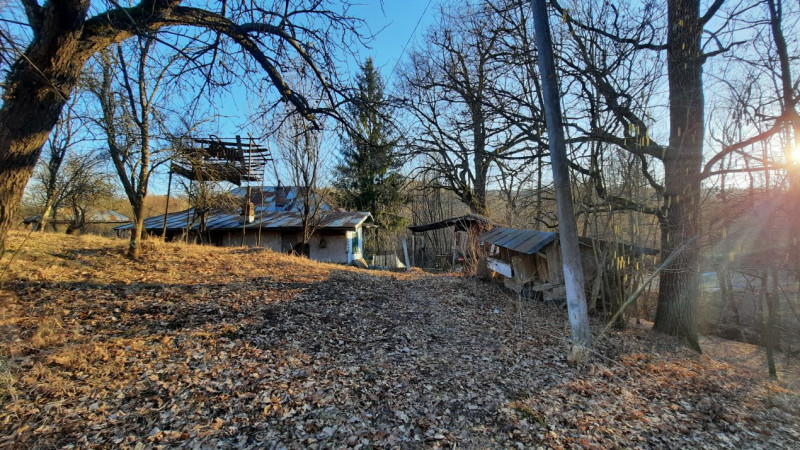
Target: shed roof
(531, 241)
(461, 223)
(523, 241)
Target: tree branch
(35, 16)
(629, 41)
(711, 11)
(774, 129)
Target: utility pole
(567, 229)
(166, 208)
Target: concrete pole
(166, 208)
(567, 228)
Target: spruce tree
(367, 174)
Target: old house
(272, 218)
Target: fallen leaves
(299, 354)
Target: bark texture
(37, 89)
(679, 283)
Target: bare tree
(452, 91)
(763, 98)
(79, 185)
(300, 152)
(129, 121)
(59, 37)
(681, 157)
(63, 138)
(87, 185)
(204, 197)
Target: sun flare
(794, 154)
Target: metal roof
(279, 198)
(523, 241)
(531, 241)
(93, 215)
(461, 223)
(264, 219)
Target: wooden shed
(466, 230)
(530, 263)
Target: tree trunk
(44, 219)
(29, 112)
(676, 313)
(772, 309)
(37, 88)
(134, 245)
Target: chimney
(248, 208)
(280, 196)
(248, 212)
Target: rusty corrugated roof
(531, 241)
(264, 219)
(279, 198)
(276, 208)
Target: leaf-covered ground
(213, 347)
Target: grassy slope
(203, 346)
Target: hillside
(224, 347)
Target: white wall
(269, 239)
(336, 248)
(358, 252)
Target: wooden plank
(512, 284)
(524, 268)
(500, 267)
(405, 253)
(541, 287)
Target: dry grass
(101, 260)
(7, 381)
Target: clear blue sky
(392, 23)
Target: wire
(413, 32)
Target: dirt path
(418, 361)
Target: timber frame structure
(221, 159)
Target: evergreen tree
(367, 175)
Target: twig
(632, 298)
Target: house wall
(269, 239)
(288, 241)
(355, 245)
(335, 250)
(547, 270)
(555, 266)
(358, 250)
